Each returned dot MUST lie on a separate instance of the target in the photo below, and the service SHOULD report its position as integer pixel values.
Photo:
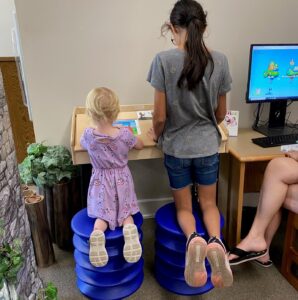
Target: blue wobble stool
(117, 279)
(170, 251)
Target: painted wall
(6, 24)
(71, 46)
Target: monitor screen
(273, 73)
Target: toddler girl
(111, 196)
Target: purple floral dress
(111, 194)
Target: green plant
(11, 260)
(50, 292)
(46, 165)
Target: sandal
(221, 273)
(195, 272)
(265, 264)
(244, 256)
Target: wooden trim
(8, 58)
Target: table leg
(235, 196)
(222, 190)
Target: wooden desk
(80, 121)
(242, 171)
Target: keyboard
(277, 140)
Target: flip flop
(244, 256)
(265, 264)
(195, 272)
(132, 250)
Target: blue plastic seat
(117, 279)
(170, 245)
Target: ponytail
(189, 14)
(196, 58)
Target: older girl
(191, 83)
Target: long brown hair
(190, 15)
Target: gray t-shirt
(190, 129)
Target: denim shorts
(186, 171)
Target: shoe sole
(132, 250)
(247, 260)
(266, 264)
(221, 274)
(195, 272)
(98, 255)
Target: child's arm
(221, 109)
(160, 112)
(139, 144)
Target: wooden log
(63, 233)
(43, 247)
(76, 202)
(47, 192)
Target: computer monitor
(273, 77)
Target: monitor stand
(276, 124)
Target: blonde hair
(102, 104)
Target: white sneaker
(132, 250)
(98, 255)
(221, 273)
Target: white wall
(6, 24)
(71, 46)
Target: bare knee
(207, 203)
(282, 169)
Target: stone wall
(12, 208)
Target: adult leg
(269, 234)
(279, 174)
(290, 203)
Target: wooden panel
(254, 173)
(22, 127)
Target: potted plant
(11, 261)
(52, 170)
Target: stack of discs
(170, 252)
(116, 280)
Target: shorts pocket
(210, 161)
(173, 163)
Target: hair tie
(190, 19)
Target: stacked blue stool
(116, 280)
(170, 252)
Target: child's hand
(292, 154)
(151, 134)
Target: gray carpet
(250, 280)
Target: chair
(290, 252)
